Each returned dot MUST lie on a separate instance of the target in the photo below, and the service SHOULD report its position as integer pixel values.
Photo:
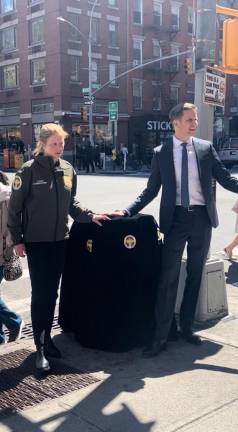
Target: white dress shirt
(194, 186)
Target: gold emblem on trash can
(129, 241)
(89, 245)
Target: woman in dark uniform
(43, 196)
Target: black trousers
(46, 262)
(194, 228)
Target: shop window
(7, 6)
(8, 39)
(38, 73)
(113, 34)
(10, 77)
(36, 31)
(75, 68)
(42, 106)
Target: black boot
(42, 364)
(50, 349)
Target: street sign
(214, 86)
(113, 110)
(96, 86)
(85, 90)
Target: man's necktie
(184, 177)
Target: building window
(113, 34)
(95, 77)
(137, 12)
(137, 52)
(157, 13)
(38, 74)
(74, 68)
(175, 17)
(9, 110)
(156, 98)
(174, 61)
(8, 39)
(95, 30)
(42, 106)
(10, 77)
(174, 95)
(112, 3)
(36, 31)
(113, 73)
(7, 6)
(137, 94)
(190, 20)
(74, 35)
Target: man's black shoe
(153, 349)
(192, 338)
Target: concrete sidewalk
(185, 389)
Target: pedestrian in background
(234, 243)
(43, 196)
(184, 168)
(8, 318)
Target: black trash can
(109, 283)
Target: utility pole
(90, 92)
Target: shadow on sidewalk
(127, 372)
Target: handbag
(12, 268)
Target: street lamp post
(89, 42)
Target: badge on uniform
(67, 181)
(129, 241)
(17, 183)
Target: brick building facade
(44, 69)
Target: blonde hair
(46, 131)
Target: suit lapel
(198, 150)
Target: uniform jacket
(163, 175)
(43, 195)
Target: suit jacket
(163, 175)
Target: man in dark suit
(184, 168)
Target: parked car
(229, 152)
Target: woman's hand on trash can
(20, 250)
(99, 217)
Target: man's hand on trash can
(99, 217)
(117, 213)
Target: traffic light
(188, 65)
(229, 47)
(83, 113)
